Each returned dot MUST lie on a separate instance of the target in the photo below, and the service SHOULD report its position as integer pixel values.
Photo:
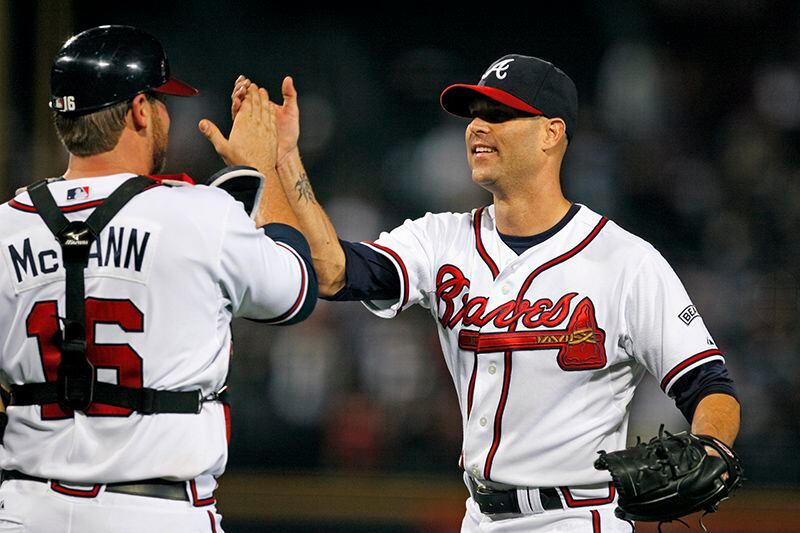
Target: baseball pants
(32, 507)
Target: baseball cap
(106, 65)
(525, 83)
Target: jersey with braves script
(545, 348)
(164, 279)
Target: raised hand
(287, 119)
(253, 138)
(237, 96)
(287, 115)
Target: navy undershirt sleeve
(369, 275)
(695, 385)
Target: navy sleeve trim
(690, 388)
(694, 361)
(288, 235)
(289, 238)
(369, 275)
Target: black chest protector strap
(76, 387)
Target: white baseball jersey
(545, 348)
(163, 282)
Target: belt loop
(531, 499)
(525, 501)
(76, 490)
(468, 481)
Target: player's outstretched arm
(326, 252)
(253, 142)
(717, 415)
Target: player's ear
(140, 111)
(555, 132)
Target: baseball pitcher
(549, 314)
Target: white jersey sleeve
(412, 248)
(665, 332)
(264, 279)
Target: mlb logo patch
(78, 193)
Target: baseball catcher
(671, 476)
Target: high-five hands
(287, 115)
(253, 137)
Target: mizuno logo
(76, 235)
(79, 237)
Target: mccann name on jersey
(117, 247)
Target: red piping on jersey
(471, 388)
(226, 408)
(68, 208)
(560, 259)
(487, 470)
(303, 288)
(173, 177)
(479, 244)
(90, 493)
(595, 522)
(498, 416)
(196, 501)
(402, 268)
(213, 522)
(693, 359)
(572, 502)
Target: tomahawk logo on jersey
(544, 347)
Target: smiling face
(503, 144)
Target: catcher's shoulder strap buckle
(220, 395)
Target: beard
(159, 148)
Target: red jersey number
(119, 359)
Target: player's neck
(126, 156)
(529, 214)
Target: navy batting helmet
(105, 65)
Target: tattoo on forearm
(304, 190)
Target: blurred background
(688, 136)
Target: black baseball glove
(671, 476)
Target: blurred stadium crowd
(688, 137)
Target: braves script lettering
(451, 288)
(580, 345)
